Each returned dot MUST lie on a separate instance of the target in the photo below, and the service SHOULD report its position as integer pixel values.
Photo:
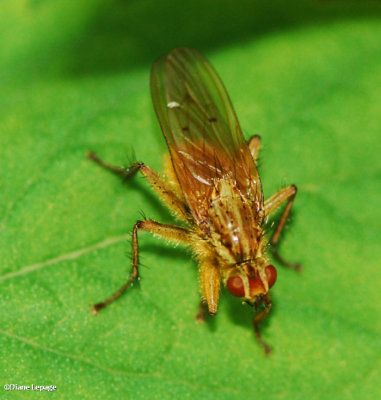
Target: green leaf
(306, 76)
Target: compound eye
(235, 286)
(271, 275)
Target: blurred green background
(74, 77)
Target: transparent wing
(201, 130)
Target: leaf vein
(64, 257)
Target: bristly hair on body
(212, 186)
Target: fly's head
(251, 280)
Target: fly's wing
(201, 130)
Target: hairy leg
(288, 193)
(170, 232)
(167, 195)
(258, 318)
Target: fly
(217, 190)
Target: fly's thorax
(250, 279)
(233, 223)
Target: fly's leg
(200, 316)
(258, 318)
(124, 172)
(288, 193)
(254, 146)
(170, 232)
(169, 197)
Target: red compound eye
(271, 275)
(235, 286)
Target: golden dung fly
(218, 191)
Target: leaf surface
(310, 88)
